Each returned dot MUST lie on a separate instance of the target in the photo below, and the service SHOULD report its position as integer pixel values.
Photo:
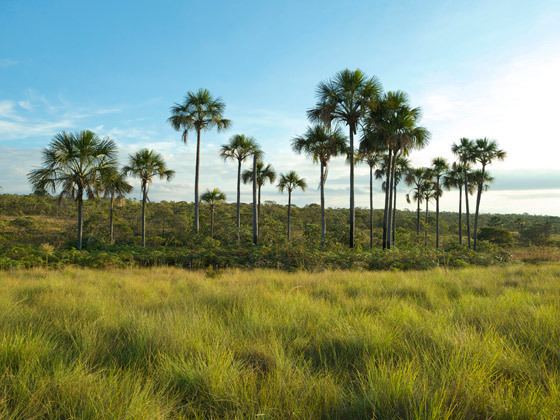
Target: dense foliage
(38, 230)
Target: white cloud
(514, 102)
(7, 62)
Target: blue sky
(477, 68)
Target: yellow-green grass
(168, 343)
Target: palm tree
(257, 155)
(439, 169)
(73, 163)
(429, 192)
(346, 99)
(395, 123)
(239, 148)
(321, 143)
(402, 166)
(290, 182)
(417, 178)
(453, 178)
(373, 158)
(199, 111)
(485, 152)
(264, 174)
(145, 165)
(114, 185)
(213, 197)
(464, 151)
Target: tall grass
(167, 343)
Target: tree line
(382, 130)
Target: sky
(476, 68)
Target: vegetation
(165, 343)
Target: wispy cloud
(36, 116)
(7, 62)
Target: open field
(167, 343)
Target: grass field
(167, 343)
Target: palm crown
(264, 174)
(74, 162)
(321, 143)
(291, 181)
(199, 111)
(213, 197)
(240, 147)
(147, 164)
(114, 183)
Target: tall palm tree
(464, 151)
(239, 148)
(114, 186)
(264, 174)
(199, 111)
(257, 155)
(290, 182)
(73, 163)
(395, 123)
(402, 166)
(429, 192)
(145, 165)
(485, 152)
(439, 169)
(373, 157)
(212, 198)
(321, 143)
(346, 98)
(417, 178)
(453, 178)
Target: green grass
(167, 343)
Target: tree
(212, 198)
(394, 123)
(114, 185)
(145, 165)
(439, 169)
(290, 182)
(257, 155)
(402, 166)
(373, 158)
(429, 192)
(264, 174)
(73, 163)
(485, 152)
(239, 148)
(321, 143)
(453, 178)
(464, 151)
(417, 178)
(199, 111)
(346, 98)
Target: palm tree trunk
(417, 214)
(255, 212)
(386, 208)
(460, 215)
(352, 209)
(467, 210)
(426, 226)
(238, 213)
(394, 224)
(80, 200)
(477, 210)
(323, 221)
(259, 202)
(390, 211)
(437, 213)
(111, 230)
(212, 221)
(371, 207)
(289, 215)
(196, 179)
(144, 198)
